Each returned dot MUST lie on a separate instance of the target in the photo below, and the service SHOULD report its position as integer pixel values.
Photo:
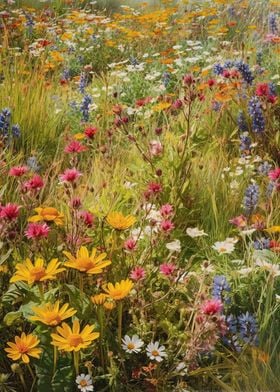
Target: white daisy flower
(174, 246)
(195, 232)
(155, 351)
(224, 247)
(132, 345)
(84, 382)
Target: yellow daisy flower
(24, 346)
(120, 222)
(68, 339)
(120, 290)
(37, 272)
(273, 229)
(85, 262)
(51, 315)
(99, 299)
(48, 214)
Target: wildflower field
(139, 196)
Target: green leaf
(79, 301)
(11, 317)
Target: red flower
(212, 306)
(35, 183)
(167, 226)
(87, 217)
(90, 132)
(262, 90)
(18, 171)
(70, 175)
(37, 230)
(130, 244)
(274, 175)
(74, 147)
(10, 211)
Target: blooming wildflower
(245, 143)
(273, 269)
(239, 221)
(18, 171)
(256, 114)
(272, 23)
(167, 269)
(118, 291)
(37, 230)
(245, 71)
(220, 286)
(242, 122)
(33, 164)
(174, 246)
(16, 130)
(212, 306)
(195, 232)
(84, 382)
(262, 243)
(87, 100)
(73, 339)
(87, 218)
(25, 346)
(99, 299)
(75, 147)
(138, 273)
(83, 82)
(166, 210)
(264, 168)
(224, 247)
(274, 175)
(10, 211)
(51, 314)
(248, 328)
(85, 262)
(130, 244)
(155, 351)
(251, 198)
(90, 132)
(37, 272)
(70, 175)
(262, 90)
(35, 183)
(120, 222)
(218, 69)
(156, 148)
(132, 345)
(48, 214)
(167, 226)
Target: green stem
(31, 371)
(22, 381)
(54, 358)
(76, 355)
(101, 323)
(41, 290)
(120, 309)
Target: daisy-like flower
(48, 214)
(132, 345)
(195, 232)
(120, 222)
(84, 382)
(74, 339)
(99, 299)
(225, 247)
(85, 262)
(155, 351)
(37, 272)
(174, 246)
(51, 315)
(118, 291)
(25, 346)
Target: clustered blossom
(251, 198)
(256, 114)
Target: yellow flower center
(22, 348)
(74, 340)
(222, 249)
(85, 263)
(83, 383)
(49, 213)
(37, 273)
(53, 319)
(155, 353)
(131, 346)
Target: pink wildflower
(239, 221)
(18, 171)
(87, 218)
(156, 148)
(74, 147)
(138, 273)
(70, 175)
(35, 183)
(166, 210)
(211, 306)
(167, 226)
(37, 230)
(274, 175)
(9, 212)
(167, 269)
(130, 244)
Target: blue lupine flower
(272, 23)
(259, 57)
(251, 198)
(66, 74)
(262, 243)
(33, 163)
(242, 122)
(220, 288)
(248, 328)
(256, 114)
(216, 106)
(264, 168)
(87, 100)
(166, 79)
(272, 88)
(218, 69)
(245, 71)
(245, 142)
(16, 130)
(269, 189)
(82, 83)
(5, 121)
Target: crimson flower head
(130, 244)
(35, 183)
(212, 306)
(274, 175)
(167, 269)
(188, 79)
(75, 147)
(138, 273)
(167, 226)
(70, 175)
(37, 230)
(87, 218)
(239, 221)
(90, 132)
(18, 171)
(166, 210)
(262, 90)
(9, 212)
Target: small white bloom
(84, 382)
(132, 345)
(224, 247)
(174, 246)
(156, 352)
(273, 269)
(195, 232)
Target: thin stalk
(120, 309)
(76, 357)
